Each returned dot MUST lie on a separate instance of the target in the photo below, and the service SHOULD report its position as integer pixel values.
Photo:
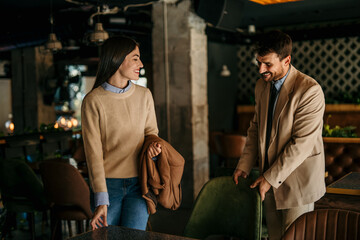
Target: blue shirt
(111, 88)
(278, 84)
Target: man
(285, 136)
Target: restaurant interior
(201, 70)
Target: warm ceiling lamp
(268, 2)
(53, 43)
(99, 35)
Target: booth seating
(325, 224)
(342, 156)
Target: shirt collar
(111, 88)
(278, 84)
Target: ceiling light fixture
(225, 72)
(53, 43)
(99, 35)
(268, 2)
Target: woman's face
(130, 67)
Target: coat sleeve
(307, 127)
(90, 122)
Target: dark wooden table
(123, 233)
(342, 194)
(348, 184)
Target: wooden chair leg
(87, 222)
(80, 226)
(69, 227)
(55, 225)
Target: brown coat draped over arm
(161, 179)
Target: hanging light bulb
(225, 72)
(99, 35)
(53, 43)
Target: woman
(116, 117)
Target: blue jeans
(127, 207)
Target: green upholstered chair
(224, 208)
(21, 192)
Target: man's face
(271, 67)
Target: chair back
(224, 208)
(65, 186)
(21, 189)
(325, 224)
(230, 145)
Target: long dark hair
(113, 53)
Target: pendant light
(53, 44)
(99, 35)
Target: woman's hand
(99, 218)
(154, 149)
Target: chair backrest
(230, 145)
(325, 224)
(64, 185)
(224, 208)
(19, 183)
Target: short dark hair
(113, 52)
(274, 41)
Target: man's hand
(154, 149)
(264, 186)
(99, 218)
(239, 173)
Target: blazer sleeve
(307, 127)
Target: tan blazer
(296, 152)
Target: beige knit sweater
(114, 127)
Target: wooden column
(27, 71)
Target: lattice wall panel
(334, 63)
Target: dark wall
(222, 91)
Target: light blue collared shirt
(108, 87)
(278, 84)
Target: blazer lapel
(286, 89)
(263, 119)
